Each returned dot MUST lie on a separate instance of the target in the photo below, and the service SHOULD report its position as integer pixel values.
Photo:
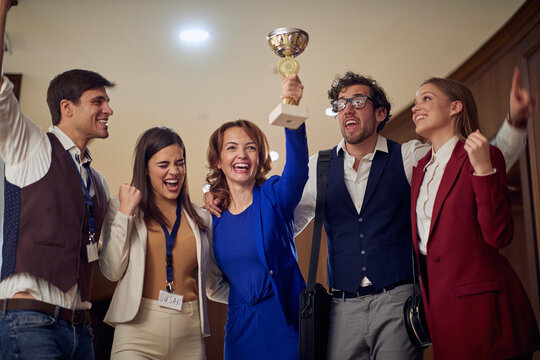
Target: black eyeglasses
(357, 102)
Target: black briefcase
(314, 310)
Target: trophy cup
(288, 43)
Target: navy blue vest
(377, 242)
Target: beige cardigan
(123, 259)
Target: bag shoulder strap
(323, 163)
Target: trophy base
(289, 116)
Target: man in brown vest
(54, 207)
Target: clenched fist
(291, 87)
(477, 147)
(129, 197)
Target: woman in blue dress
(253, 239)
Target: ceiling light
(194, 35)
(274, 155)
(329, 112)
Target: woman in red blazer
(476, 307)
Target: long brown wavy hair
(215, 176)
(149, 143)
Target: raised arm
(4, 7)
(19, 136)
(522, 103)
(288, 189)
(512, 136)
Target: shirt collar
(381, 145)
(445, 152)
(70, 146)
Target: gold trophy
(288, 43)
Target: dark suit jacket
(477, 307)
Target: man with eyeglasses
(367, 219)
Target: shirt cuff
(512, 130)
(489, 173)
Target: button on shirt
(26, 152)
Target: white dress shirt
(27, 154)
(433, 173)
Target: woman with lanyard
(155, 244)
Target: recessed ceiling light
(274, 155)
(194, 35)
(329, 112)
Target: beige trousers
(160, 333)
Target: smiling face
(434, 113)
(87, 119)
(239, 157)
(357, 125)
(166, 172)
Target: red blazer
(477, 307)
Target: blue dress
(256, 326)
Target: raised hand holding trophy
(288, 43)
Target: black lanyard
(88, 198)
(169, 243)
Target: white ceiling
(195, 88)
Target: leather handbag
(315, 300)
(415, 316)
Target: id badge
(170, 300)
(92, 252)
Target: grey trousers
(371, 327)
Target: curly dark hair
(377, 93)
(215, 177)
